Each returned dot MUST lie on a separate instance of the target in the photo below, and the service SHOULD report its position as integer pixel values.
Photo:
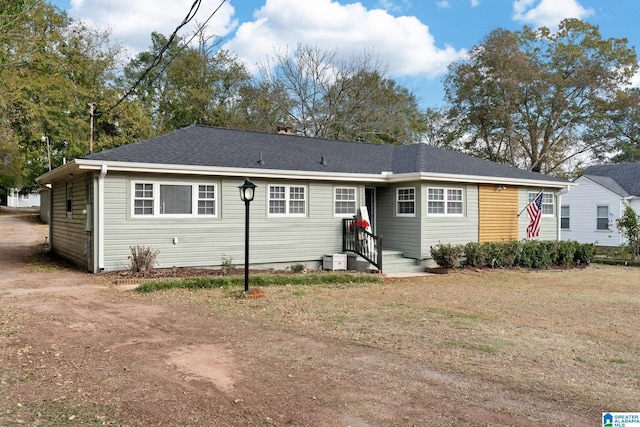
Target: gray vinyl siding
(68, 236)
(548, 223)
(583, 201)
(205, 241)
(400, 233)
(448, 228)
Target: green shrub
(629, 226)
(501, 254)
(474, 255)
(513, 253)
(584, 253)
(227, 265)
(298, 268)
(446, 255)
(536, 254)
(565, 253)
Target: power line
(192, 13)
(181, 48)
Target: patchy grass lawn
(569, 337)
(471, 348)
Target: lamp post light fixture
(45, 138)
(247, 191)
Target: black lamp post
(247, 190)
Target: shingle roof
(609, 184)
(212, 146)
(625, 175)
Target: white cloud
(475, 3)
(132, 22)
(443, 4)
(635, 80)
(548, 13)
(404, 42)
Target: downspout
(50, 216)
(559, 217)
(100, 219)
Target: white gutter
(100, 221)
(384, 177)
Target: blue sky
(417, 39)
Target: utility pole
(91, 106)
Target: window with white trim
(344, 201)
(207, 199)
(143, 198)
(602, 217)
(176, 199)
(406, 201)
(289, 200)
(445, 201)
(152, 198)
(565, 219)
(547, 203)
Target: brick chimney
(285, 130)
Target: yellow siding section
(498, 213)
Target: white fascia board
(227, 171)
(446, 177)
(59, 173)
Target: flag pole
(533, 200)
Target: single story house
(590, 211)
(15, 198)
(178, 193)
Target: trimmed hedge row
(514, 253)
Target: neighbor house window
(175, 199)
(287, 200)
(445, 201)
(564, 217)
(344, 201)
(602, 220)
(547, 202)
(406, 201)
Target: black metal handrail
(362, 242)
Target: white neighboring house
(589, 212)
(17, 200)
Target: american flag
(535, 212)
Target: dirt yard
(464, 349)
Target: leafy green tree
(533, 98)
(629, 225)
(53, 70)
(622, 127)
(189, 85)
(318, 94)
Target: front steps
(393, 262)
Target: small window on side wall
(602, 217)
(344, 201)
(565, 217)
(287, 200)
(406, 201)
(547, 202)
(69, 197)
